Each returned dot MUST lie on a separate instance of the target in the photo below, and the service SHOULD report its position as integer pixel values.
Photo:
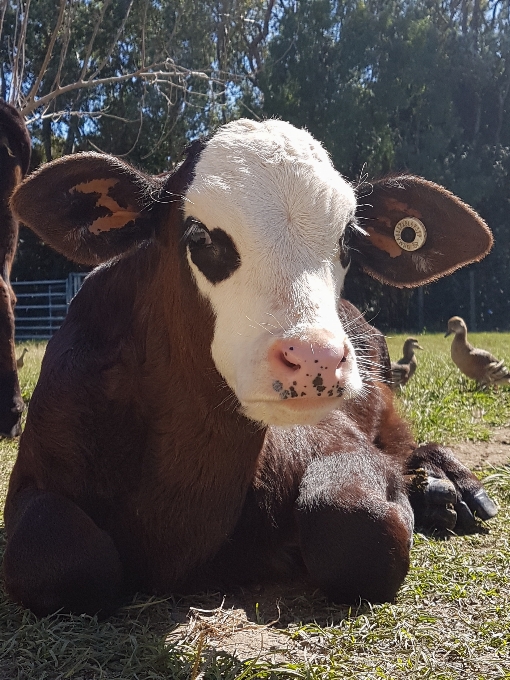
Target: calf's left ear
(90, 207)
(416, 232)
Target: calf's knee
(355, 541)
(57, 559)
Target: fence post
(421, 321)
(472, 301)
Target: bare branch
(23, 44)
(254, 44)
(165, 133)
(49, 51)
(65, 46)
(14, 61)
(57, 116)
(18, 69)
(133, 146)
(144, 24)
(92, 40)
(152, 74)
(3, 9)
(114, 43)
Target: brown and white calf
(211, 411)
(14, 160)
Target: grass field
(441, 403)
(451, 619)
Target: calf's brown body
(138, 470)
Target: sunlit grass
(28, 376)
(441, 403)
(451, 620)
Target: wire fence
(42, 305)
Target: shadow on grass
(246, 634)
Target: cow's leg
(444, 493)
(355, 526)
(57, 558)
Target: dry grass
(451, 620)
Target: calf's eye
(197, 235)
(199, 238)
(213, 252)
(345, 257)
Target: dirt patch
(263, 623)
(477, 455)
(228, 630)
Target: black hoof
(480, 504)
(439, 491)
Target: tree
(68, 61)
(136, 78)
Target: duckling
(403, 369)
(477, 364)
(20, 362)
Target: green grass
(451, 620)
(440, 402)
(28, 376)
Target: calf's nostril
(287, 362)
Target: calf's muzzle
(301, 368)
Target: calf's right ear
(443, 233)
(90, 207)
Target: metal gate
(42, 305)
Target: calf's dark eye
(196, 234)
(213, 252)
(345, 256)
(199, 238)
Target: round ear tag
(413, 231)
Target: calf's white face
(265, 213)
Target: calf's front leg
(355, 526)
(58, 559)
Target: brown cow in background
(14, 161)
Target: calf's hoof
(444, 493)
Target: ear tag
(417, 227)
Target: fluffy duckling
(21, 360)
(477, 364)
(403, 369)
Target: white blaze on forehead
(273, 189)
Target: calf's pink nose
(300, 368)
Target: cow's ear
(416, 232)
(90, 207)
